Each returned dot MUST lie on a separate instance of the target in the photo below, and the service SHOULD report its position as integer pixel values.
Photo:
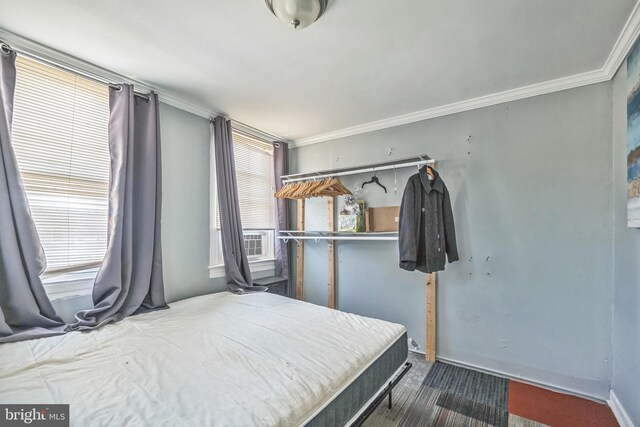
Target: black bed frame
(384, 393)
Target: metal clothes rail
(297, 235)
(300, 235)
(403, 163)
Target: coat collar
(436, 184)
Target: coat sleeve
(408, 228)
(451, 246)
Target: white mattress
(220, 359)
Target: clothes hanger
(321, 187)
(314, 188)
(344, 191)
(283, 191)
(288, 193)
(428, 171)
(375, 180)
(302, 191)
(292, 188)
(333, 187)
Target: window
(60, 138)
(254, 173)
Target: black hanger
(374, 180)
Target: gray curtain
(281, 167)
(25, 309)
(236, 265)
(130, 278)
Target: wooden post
(331, 277)
(431, 317)
(300, 252)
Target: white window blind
(60, 137)
(254, 173)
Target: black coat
(427, 230)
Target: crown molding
(52, 56)
(254, 132)
(623, 45)
(184, 105)
(550, 86)
(620, 50)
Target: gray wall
(185, 211)
(185, 205)
(532, 294)
(626, 313)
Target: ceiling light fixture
(298, 14)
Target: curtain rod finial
(5, 48)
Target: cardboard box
(383, 219)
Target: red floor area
(556, 409)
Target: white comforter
(220, 359)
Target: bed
(215, 360)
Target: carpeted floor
(445, 395)
(404, 394)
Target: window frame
(216, 262)
(74, 283)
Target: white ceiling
(363, 61)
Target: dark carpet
(445, 395)
(457, 396)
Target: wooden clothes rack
(300, 235)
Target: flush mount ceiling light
(297, 14)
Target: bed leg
(381, 396)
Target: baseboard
(558, 389)
(618, 410)
(503, 374)
(536, 383)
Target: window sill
(216, 271)
(70, 285)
